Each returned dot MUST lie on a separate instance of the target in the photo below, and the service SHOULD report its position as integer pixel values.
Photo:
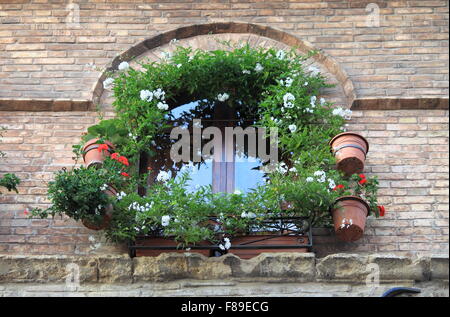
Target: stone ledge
(268, 267)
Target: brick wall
(44, 59)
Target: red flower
(26, 212)
(340, 186)
(102, 147)
(123, 160)
(363, 181)
(362, 176)
(381, 210)
(115, 156)
(125, 174)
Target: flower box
(154, 246)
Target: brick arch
(201, 35)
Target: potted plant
(101, 140)
(87, 194)
(357, 200)
(350, 150)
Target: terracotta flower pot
(91, 154)
(169, 244)
(350, 150)
(107, 216)
(262, 244)
(349, 217)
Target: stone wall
(395, 77)
(284, 274)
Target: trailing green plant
(271, 89)
(8, 181)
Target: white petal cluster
(223, 97)
(259, 68)
(163, 176)
(281, 54)
(123, 66)
(249, 215)
(287, 100)
(344, 113)
(146, 95)
(237, 192)
(309, 179)
(104, 187)
(226, 244)
(120, 195)
(322, 101)
(162, 106)
(142, 208)
(245, 71)
(287, 82)
(292, 128)
(276, 121)
(159, 94)
(331, 183)
(165, 221)
(108, 83)
(281, 168)
(321, 176)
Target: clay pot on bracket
(107, 216)
(92, 156)
(349, 217)
(350, 150)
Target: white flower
(108, 83)
(120, 195)
(314, 70)
(237, 192)
(292, 128)
(163, 176)
(243, 214)
(309, 179)
(146, 95)
(282, 168)
(173, 41)
(258, 68)
(331, 183)
(309, 110)
(159, 94)
(305, 84)
(165, 220)
(227, 243)
(319, 173)
(179, 65)
(287, 98)
(322, 101)
(123, 66)
(281, 54)
(288, 82)
(223, 97)
(245, 71)
(344, 113)
(312, 101)
(162, 106)
(104, 187)
(293, 169)
(276, 121)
